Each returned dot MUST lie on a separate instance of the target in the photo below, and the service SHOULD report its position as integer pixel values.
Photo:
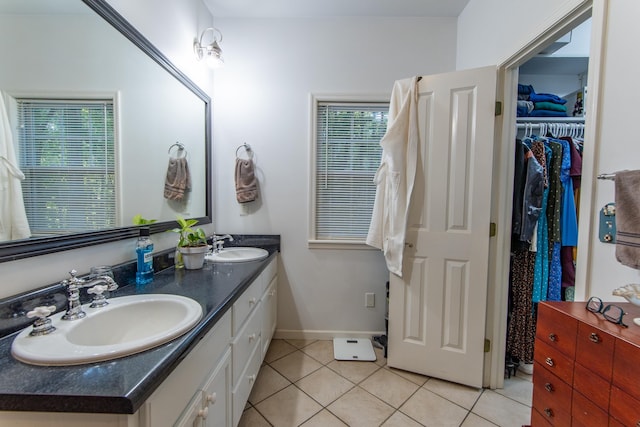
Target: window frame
(113, 97)
(315, 99)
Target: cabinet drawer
(269, 272)
(585, 413)
(554, 361)
(549, 390)
(243, 388)
(269, 314)
(247, 302)
(624, 408)
(557, 330)
(243, 344)
(594, 386)
(626, 369)
(594, 350)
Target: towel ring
(180, 147)
(247, 148)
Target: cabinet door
(216, 396)
(193, 415)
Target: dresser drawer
(550, 388)
(585, 413)
(594, 350)
(547, 403)
(626, 368)
(554, 361)
(557, 330)
(539, 420)
(593, 386)
(624, 408)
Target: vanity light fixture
(211, 53)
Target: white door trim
(562, 21)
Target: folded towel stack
(178, 179)
(532, 104)
(246, 181)
(627, 184)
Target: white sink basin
(128, 325)
(239, 254)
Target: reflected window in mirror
(66, 151)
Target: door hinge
(498, 111)
(487, 345)
(493, 229)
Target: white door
(437, 310)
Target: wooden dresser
(586, 369)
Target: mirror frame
(19, 249)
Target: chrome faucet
(218, 242)
(73, 286)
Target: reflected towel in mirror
(178, 180)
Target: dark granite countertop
(121, 386)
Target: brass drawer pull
(548, 412)
(549, 361)
(553, 337)
(594, 337)
(549, 387)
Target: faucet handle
(99, 300)
(73, 279)
(42, 325)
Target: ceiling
(330, 8)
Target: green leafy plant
(139, 220)
(189, 236)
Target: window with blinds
(66, 151)
(347, 156)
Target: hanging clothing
(541, 270)
(13, 217)
(396, 175)
(521, 330)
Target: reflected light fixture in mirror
(211, 53)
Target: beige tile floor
(300, 384)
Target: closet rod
(537, 125)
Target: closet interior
(550, 127)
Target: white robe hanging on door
(396, 175)
(13, 218)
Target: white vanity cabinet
(210, 387)
(251, 335)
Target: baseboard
(293, 334)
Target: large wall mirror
(83, 49)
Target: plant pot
(193, 257)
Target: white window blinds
(347, 157)
(66, 151)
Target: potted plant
(192, 245)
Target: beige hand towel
(246, 181)
(628, 218)
(178, 180)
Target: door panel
(437, 311)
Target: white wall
(261, 97)
(615, 147)
(171, 26)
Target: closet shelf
(568, 119)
